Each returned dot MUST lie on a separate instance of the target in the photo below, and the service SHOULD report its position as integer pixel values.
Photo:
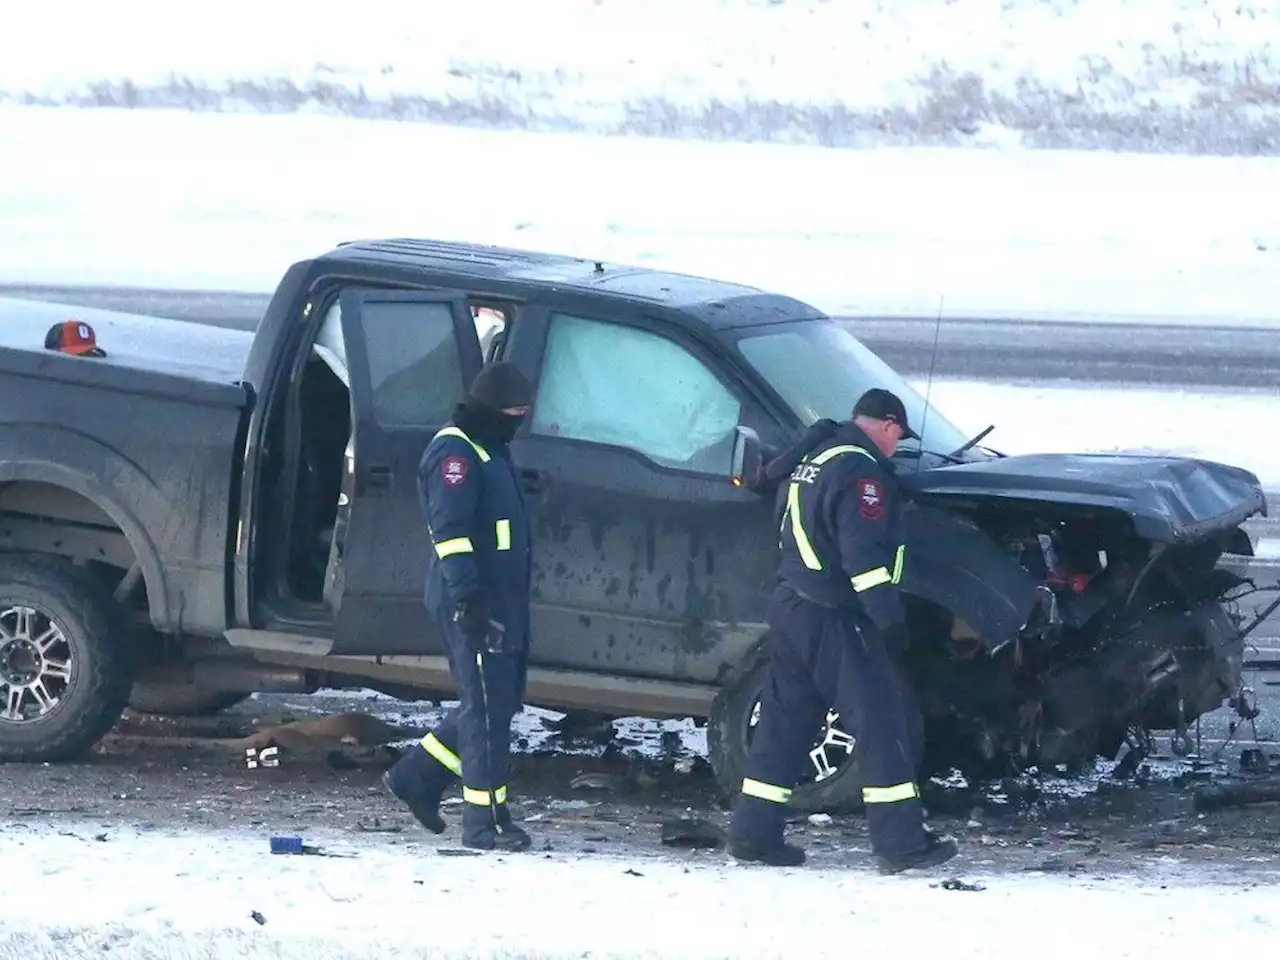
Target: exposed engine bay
(1125, 636)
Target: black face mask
(487, 426)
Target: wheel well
(48, 518)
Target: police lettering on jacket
(839, 534)
(479, 527)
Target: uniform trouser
(819, 658)
(470, 741)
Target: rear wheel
(831, 781)
(66, 662)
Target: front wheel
(66, 664)
(831, 782)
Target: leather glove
(472, 615)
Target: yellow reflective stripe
(899, 561)
(504, 534)
(481, 797)
(447, 548)
(872, 578)
(442, 753)
(807, 553)
(832, 452)
(765, 791)
(803, 544)
(457, 432)
(894, 794)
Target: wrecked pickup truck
(203, 513)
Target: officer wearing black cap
(478, 589)
(837, 627)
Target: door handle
(380, 477)
(534, 480)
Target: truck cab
(654, 393)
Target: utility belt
(833, 601)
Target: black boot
(482, 831)
(934, 852)
(777, 853)
(418, 781)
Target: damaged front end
(1086, 605)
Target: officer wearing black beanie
(478, 589)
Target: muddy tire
(729, 729)
(66, 663)
(180, 700)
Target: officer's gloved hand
(472, 615)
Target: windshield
(820, 369)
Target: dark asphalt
(1006, 350)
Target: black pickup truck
(203, 512)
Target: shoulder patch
(870, 497)
(453, 470)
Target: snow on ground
(174, 199)
(1181, 75)
(194, 894)
(1228, 426)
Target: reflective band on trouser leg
(447, 548)
(442, 753)
(504, 534)
(765, 791)
(871, 578)
(481, 797)
(895, 794)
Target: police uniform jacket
(840, 533)
(479, 526)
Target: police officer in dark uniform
(837, 630)
(478, 589)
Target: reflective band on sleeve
(480, 798)
(504, 534)
(898, 562)
(896, 794)
(765, 791)
(481, 452)
(447, 548)
(872, 578)
(442, 753)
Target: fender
(102, 475)
(953, 564)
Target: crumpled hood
(1169, 498)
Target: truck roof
(717, 303)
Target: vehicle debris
(955, 883)
(1220, 795)
(692, 832)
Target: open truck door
(411, 355)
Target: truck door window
(633, 388)
(413, 361)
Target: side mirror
(747, 458)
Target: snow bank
(1229, 427)
(157, 894)
(1178, 75)
(171, 199)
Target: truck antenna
(928, 387)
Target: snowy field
(190, 895)
(175, 199)
(1164, 75)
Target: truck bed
(172, 348)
